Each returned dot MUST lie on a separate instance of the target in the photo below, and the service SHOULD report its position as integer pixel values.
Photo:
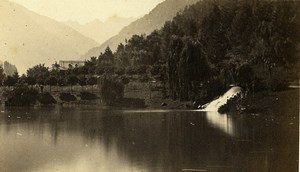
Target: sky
(84, 11)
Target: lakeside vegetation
(196, 56)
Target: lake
(90, 139)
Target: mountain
(101, 31)
(154, 20)
(27, 38)
(9, 69)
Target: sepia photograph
(149, 85)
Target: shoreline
(270, 103)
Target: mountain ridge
(28, 38)
(155, 19)
(99, 30)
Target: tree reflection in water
(86, 139)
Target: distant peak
(95, 21)
(114, 16)
(117, 17)
(72, 22)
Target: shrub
(67, 97)
(46, 99)
(87, 96)
(21, 96)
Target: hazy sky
(87, 10)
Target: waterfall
(222, 100)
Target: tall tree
(2, 75)
(82, 81)
(72, 80)
(40, 72)
(9, 81)
(51, 81)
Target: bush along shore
(114, 92)
(109, 91)
(26, 96)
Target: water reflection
(222, 122)
(59, 142)
(83, 139)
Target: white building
(65, 64)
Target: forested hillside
(210, 45)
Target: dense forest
(203, 50)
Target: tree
(16, 77)
(40, 72)
(51, 81)
(122, 57)
(156, 55)
(21, 96)
(91, 65)
(108, 53)
(72, 80)
(136, 41)
(83, 70)
(22, 80)
(107, 58)
(30, 80)
(92, 81)
(124, 80)
(61, 81)
(2, 75)
(276, 34)
(100, 70)
(82, 81)
(55, 66)
(70, 66)
(120, 71)
(210, 45)
(9, 81)
(111, 89)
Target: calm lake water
(84, 139)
